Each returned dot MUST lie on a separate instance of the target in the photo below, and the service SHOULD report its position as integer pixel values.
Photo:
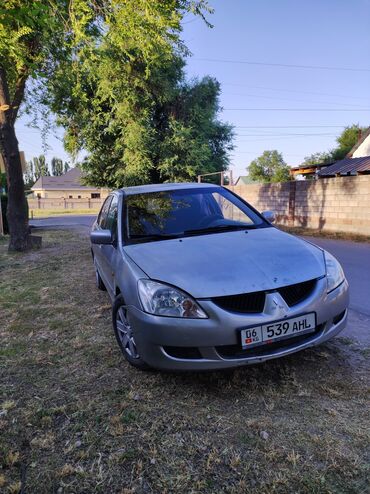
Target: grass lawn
(76, 418)
(45, 213)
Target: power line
(286, 65)
(316, 93)
(257, 96)
(289, 126)
(256, 152)
(285, 134)
(273, 138)
(298, 109)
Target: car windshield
(185, 212)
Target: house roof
(347, 166)
(308, 169)
(244, 180)
(70, 180)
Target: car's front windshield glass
(183, 212)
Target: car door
(108, 252)
(97, 248)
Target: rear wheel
(125, 334)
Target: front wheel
(125, 334)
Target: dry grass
(76, 418)
(45, 213)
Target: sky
(293, 74)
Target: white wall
(363, 149)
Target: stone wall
(334, 204)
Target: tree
(140, 127)
(57, 167)
(318, 159)
(192, 140)
(66, 167)
(25, 44)
(177, 137)
(269, 167)
(41, 168)
(347, 139)
(29, 176)
(41, 38)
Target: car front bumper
(214, 343)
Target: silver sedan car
(200, 280)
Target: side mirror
(101, 237)
(269, 216)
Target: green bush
(4, 204)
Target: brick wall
(333, 204)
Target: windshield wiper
(156, 236)
(219, 228)
(196, 231)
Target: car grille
(254, 302)
(293, 294)
(246, 302)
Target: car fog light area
(334, 272)
(164, 300)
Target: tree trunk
(17, 211)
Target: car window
(230, 211)
(102, 218)
(111, 221)
(178, 212)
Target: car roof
(143, 189)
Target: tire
(99, 282)
(125, 334)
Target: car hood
(229, 263)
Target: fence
(56, 204)
(334, 204)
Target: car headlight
(164, 300)
(334, 272)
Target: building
(357, 161)
(244, 180)
(307, 171)
(67, 186)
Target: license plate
(278, 330)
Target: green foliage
(112, 71)
(177, 138)
(269, 167)
(38, 167)
(133, 110)
(318, 158)
(348, 138)
(57, 167)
